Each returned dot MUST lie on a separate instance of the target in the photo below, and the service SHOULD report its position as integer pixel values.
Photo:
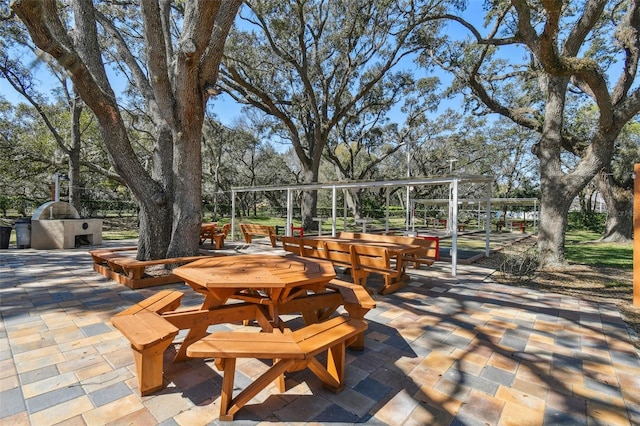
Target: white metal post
(386, 228)
(488, 221)
(287, 231)
(334, 210)
(454, 230)
(233, 215)
(344, 213)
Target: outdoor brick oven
(57, 225)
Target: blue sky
(227, 110)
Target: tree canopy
(536, 62)
(170, 58)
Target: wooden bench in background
(120, 265)
(149, 335)
(429, 244)
(340, 254)
(520, 225)
(207, 230)
(210, 232)
(250, 230)
(376, 260)
(291, 351)
(358, 260)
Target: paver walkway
(444, 351)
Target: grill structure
(57, 225)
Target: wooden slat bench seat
(359, 260)
(160, 302)
(120, 264)
(356, 301)
(291, 351)
(207, 230)
(250, 230)
(211, 232)
(427, 256)
(150, 335)
(377, 260)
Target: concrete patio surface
(442, 351)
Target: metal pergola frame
(452, 181)
(494, 201)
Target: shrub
(520, 266)
(589, 220)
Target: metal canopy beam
(371, 183)
(453, 181)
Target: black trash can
(5, 236)
(23, 232)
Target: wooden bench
(359, 262)
(120, 265)
(291, 351)
(291, 245)
(150, 335)
(250, 230)
(356, 301)
(207, 230)
(520, 225)
(217, 238)
(340, 254)
(304, 247)
(375, 259)
(429, 254)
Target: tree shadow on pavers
(489, 338)
(305, 398)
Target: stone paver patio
(444, 351)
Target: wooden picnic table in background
(370, 261)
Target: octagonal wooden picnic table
(263, 282)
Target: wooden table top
(256, 271)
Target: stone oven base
(65, 233)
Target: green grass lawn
(582, 247)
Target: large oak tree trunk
(309, 201)
(174, 80)
(619, 201)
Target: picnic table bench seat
(250, 230)
(120, 265)
(291, 351)
(149, 335)
(356, 301)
